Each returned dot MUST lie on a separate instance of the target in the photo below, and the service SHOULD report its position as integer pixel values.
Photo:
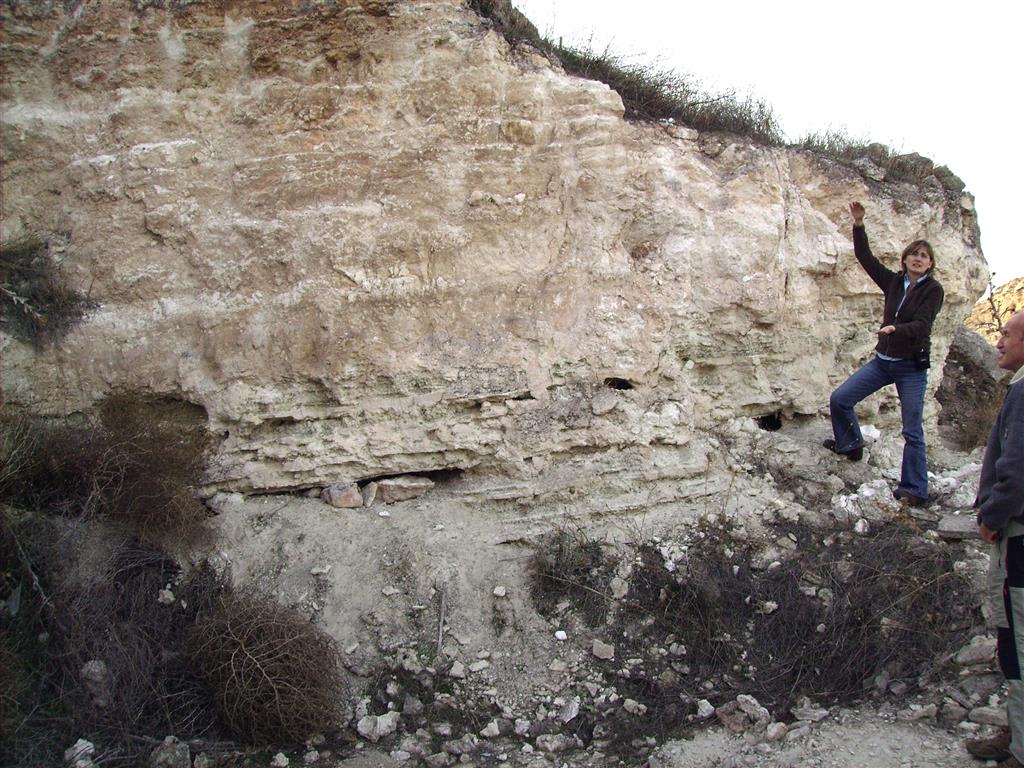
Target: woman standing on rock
(912, 300)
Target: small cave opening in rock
(770, 422)
(438, 476)
(613, 382)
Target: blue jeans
(910, 384)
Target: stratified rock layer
(370, 239)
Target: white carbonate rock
(456, 260)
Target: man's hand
(987, 534)
(886, 330)
(857, 211)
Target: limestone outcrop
(369, 238)
(994, 309)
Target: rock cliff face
(368, 238)
(1004, 301)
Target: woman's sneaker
(855, 455)
(910, 499)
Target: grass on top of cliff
(648, 92)
(651, 93)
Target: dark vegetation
(103, 635)
(273, 675)
(137, 463)
(36, 303)
(571, 566)
(836, 622)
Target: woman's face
(917, 262)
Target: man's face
(1011, 343)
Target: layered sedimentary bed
(370, 238)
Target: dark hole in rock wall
(438, 476)
(613, 382)
(770, 422)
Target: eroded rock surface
(371, 239)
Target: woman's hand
(888, 329)
(857, 211)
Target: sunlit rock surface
(370, 239)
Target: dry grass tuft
(274, 675)
(568, 565)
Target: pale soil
(458, 542)
(855, 739)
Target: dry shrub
(568, 565)
(93, 594)
(115, 617)
(139, 464)
(841, 613)
(13, 684)
(164, 444)
(36, 304)
(274, 675)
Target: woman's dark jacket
(913, 322)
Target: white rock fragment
(981, 650)
(491, 730)
(989, 716)
(634, 707)
(570, 711)
(560, 635)
(390, 591)
(376, 727)
(457, 671)
(79, 754)
(479, 666)
(165, 597)
(280, 760)
(705, 709)
(603, 650)
(171, 753)
(500, 591)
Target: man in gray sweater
(1000, 506)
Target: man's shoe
(993, 748)
(910, 499)
(855, 455)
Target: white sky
(939, 78)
